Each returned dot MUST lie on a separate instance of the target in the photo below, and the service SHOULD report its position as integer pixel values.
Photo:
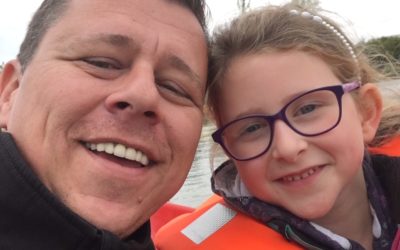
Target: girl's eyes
(252, 128)
(305, 109)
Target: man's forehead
(169, 13)
(149, 5)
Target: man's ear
(9, 84)
(371, 110)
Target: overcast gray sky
(365, 18)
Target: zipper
(291, 235)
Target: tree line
(383, 52)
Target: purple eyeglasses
(309, 114)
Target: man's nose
(136, 94)
(287, 145)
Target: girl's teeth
(301, 176)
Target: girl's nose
(287, 145)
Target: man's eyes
(173, 87)
(175, 93)
(101, 67)
(103, 63)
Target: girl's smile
(301, 176)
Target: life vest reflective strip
(392, 148)
(215, 226)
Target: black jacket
(32, 218)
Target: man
(102, 113)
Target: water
(197, 187)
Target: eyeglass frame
(339, 90)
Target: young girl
(295, 110)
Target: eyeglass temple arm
(347, 87)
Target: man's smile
(119, 150)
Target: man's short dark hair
(50, 11)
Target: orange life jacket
(392, 148)
(166, 213)
(216, 226)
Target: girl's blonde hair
(276, 28)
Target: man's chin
(116, 218)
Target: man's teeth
(301, 176)
(119, 150)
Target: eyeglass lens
(309, 114)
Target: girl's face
(306, 175)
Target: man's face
(109, 111)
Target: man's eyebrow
(126, 42)
(115, 40)
(181, 65)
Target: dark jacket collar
(226, 183)
(33, 218)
